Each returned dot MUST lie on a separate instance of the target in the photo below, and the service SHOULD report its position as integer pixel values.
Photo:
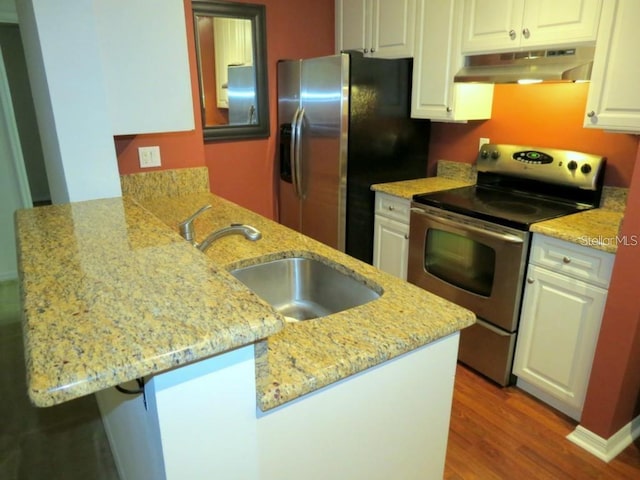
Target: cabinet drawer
(577, 261)
(392, 207)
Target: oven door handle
(500, 236)
(492, 328)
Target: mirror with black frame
(232, 69)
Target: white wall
(63, 58)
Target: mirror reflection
(230, 47)
(226, 49)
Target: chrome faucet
(249, 232)
(187, 229)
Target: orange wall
(613, 397)
(544, 115)
(213, 115)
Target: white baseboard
(606, 449)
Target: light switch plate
(483, 141)
(149, 156)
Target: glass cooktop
(512, 209)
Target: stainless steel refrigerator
(344, 125)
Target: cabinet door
(559, 327)
(613, 102)
(491, 25)
(352, 25)
(393, 28)
(434, 94)
(502, 25)
(146, 65)
(566, 23)
(391, 246)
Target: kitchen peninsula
(112, 293)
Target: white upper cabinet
(378, 28)
(505, 25)
(437, 58)
(144, 56)
(614, 99)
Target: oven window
(460, 261)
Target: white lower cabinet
(391, 234)
(563, 303)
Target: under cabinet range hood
(559, 65)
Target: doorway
(23, 178)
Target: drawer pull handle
(530, 280)
(390, 207)
(566, 260)
(406, 236)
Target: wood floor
(504, 433)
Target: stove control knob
(484, 154)
(495, 154)
(586, 168)
(572, 165)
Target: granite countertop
(597, 228)
(111, 293)
(408, 188)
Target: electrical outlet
(483, 141)
(149, 156)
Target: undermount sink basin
(303, 288)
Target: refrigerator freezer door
(288, 106)
(323, 148)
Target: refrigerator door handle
(293, 150)
(296, 159)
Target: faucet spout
(186, 227)
(249, 232)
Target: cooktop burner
(520, 185)
(516, 210)
(511, 206)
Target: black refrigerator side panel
(385, 144)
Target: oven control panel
(532, 157)
(562, 167)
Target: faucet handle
(186, 227)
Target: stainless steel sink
(303, 288)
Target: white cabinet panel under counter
(564, 299)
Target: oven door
(475, 264)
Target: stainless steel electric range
(470, 245)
